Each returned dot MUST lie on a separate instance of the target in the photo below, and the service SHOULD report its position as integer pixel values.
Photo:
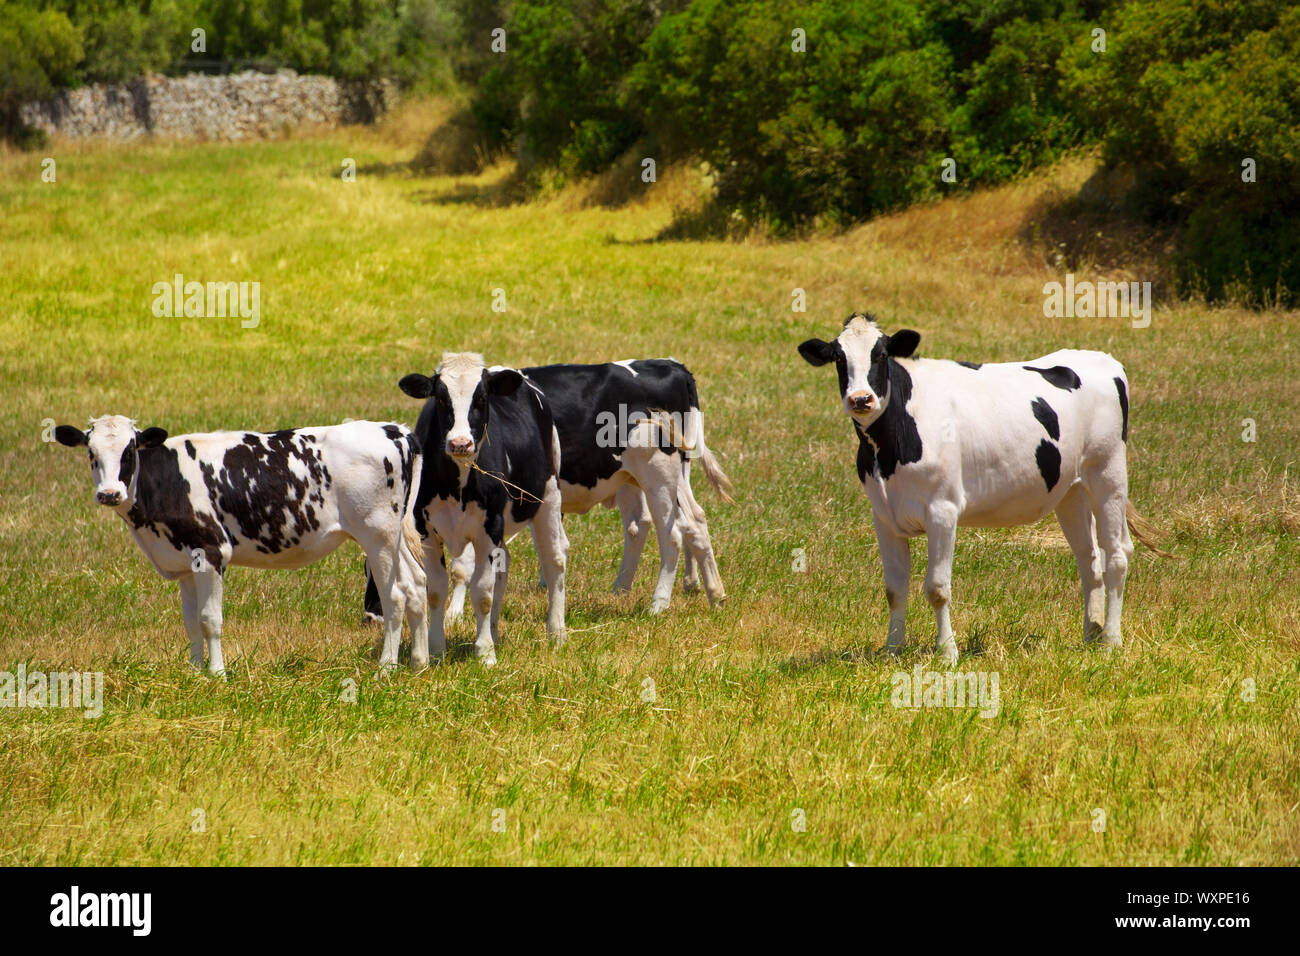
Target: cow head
(861, 355)
(460, 389)
(114, 444)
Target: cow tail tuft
(1144, 531)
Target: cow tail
(1144, 531)
(713, 471)
(410, 536)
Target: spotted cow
(943, 444)
(617, 424)
(201, 503)
(491, 465)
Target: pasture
(761, 733)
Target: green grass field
(774, 710)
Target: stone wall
(236, 106)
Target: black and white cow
(491, 463)
(198, 504)
(942, 444)
(614, 453)
(628, 433)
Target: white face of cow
(114, 444)
(460, 390)
(461, 373)
(861, 354)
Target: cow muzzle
(109, 499)
(460, 447)
(860, 402)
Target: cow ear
(416, 385)
(504, 382)
(903, 343)
(70, 436)
(817, 352)
(151, 437)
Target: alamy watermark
(213, 300)
(1085, 299)
(56, 689)
(922, 688)
(640, 429)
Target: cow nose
(860, 402)
(108, 497)
(460, 446)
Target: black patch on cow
(126, 467)
(257, 489)
(190, 450)
(1123, 406)
(1047, 417)
(972, 365)
(1049, 463)
(893, 438)
(164, 505)
(1058, 375)
(878, 374)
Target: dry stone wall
(236, 106)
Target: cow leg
(208, 592)
(633, 510)
(193, 627)
(690, 568)
(462, 566)
(553, 554)
(383, 559)
(436, 584)
(695, 536)
(1075, 515)
(414, 588)
(941, 542)
(657, 474)
(541, 572)
(501, 568)
(1113, 537)
(896, 557)
(481, 593)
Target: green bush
(1186, 92)
(39, 52)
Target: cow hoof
(658, 607)
(948, 654)
(690, 587)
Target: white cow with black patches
(198, 504)
(943, 444)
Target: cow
(491, 468)
(944, 443)
(198, 504)
(617, 422)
